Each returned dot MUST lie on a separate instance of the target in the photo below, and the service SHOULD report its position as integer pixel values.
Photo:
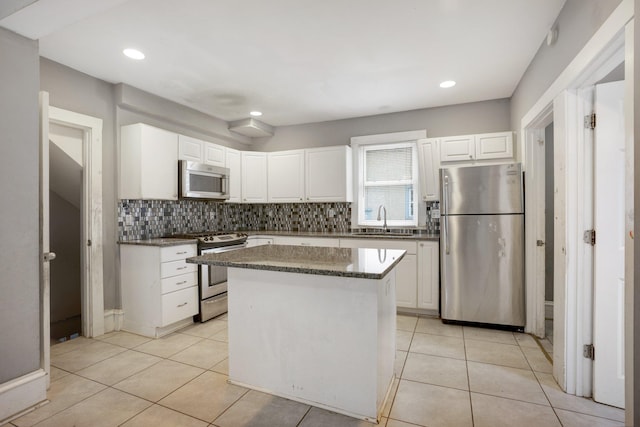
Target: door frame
(91, 217)
(611, 45)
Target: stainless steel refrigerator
(482, 245)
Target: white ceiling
(298, 61)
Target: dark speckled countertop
(393, 235)
(162, 242)
(342, 262)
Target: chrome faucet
(384, 226)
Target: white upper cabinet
(328, 174)
(197, 150)
(494, 146)
(214, 154)
(285, 176)
(254, 177)
(233, 162)
(481, 147)
(148, 163)
(457, 148)
(190, 148)
(429, 169)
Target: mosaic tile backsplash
(158, 218)
(433, 220)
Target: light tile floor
(446, 376)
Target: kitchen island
(313, 324)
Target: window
(389, 177)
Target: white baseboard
(113, 320)
(22, 393)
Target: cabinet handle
(181, 253)
(182, 305)
(470, 156)
(181, 283)
(181, 268)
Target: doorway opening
(547, 342)
(66, 168)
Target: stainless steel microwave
(202, 181)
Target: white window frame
(383, 140)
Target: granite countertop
(419, 235)
(175, 241)
(341, 262)
(164, 241)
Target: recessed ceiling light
(256, 113)
(447, 84)
(133, 53)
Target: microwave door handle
(225, 184)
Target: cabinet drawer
(176, 283)
(172, 253)
(179, 305)
(174, 268)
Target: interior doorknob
(49, 256)
(539, 243)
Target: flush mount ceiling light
(133, 53)
(447, 84)
(256, 113)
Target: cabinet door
(406, 282)
(429, 169)
(190, 148)
(214, 154)
(406, 270)
(285, 176)
(258, 241)
(494, 146)
(307, 241)
(159, 170)
(428, 275)
(254, 177)
(457, 148)
(328, 174)
(234, 164)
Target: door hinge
(590, 237)
(88, 242)
(590, 121)
(589, 352)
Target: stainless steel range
(212, 280)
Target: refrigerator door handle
(445, 216)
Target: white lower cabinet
(258, 241)
(417, 274)
(428, 275)
(306, 241)
(159, 289)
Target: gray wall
(80, 93)
(476, 117)
(577, 22)
(19, 236)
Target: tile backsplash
(148, 219)
(433, 220)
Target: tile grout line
(466, 364)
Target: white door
(609, 193)
(44, 231)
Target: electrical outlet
(435, 213)
(128, 220)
